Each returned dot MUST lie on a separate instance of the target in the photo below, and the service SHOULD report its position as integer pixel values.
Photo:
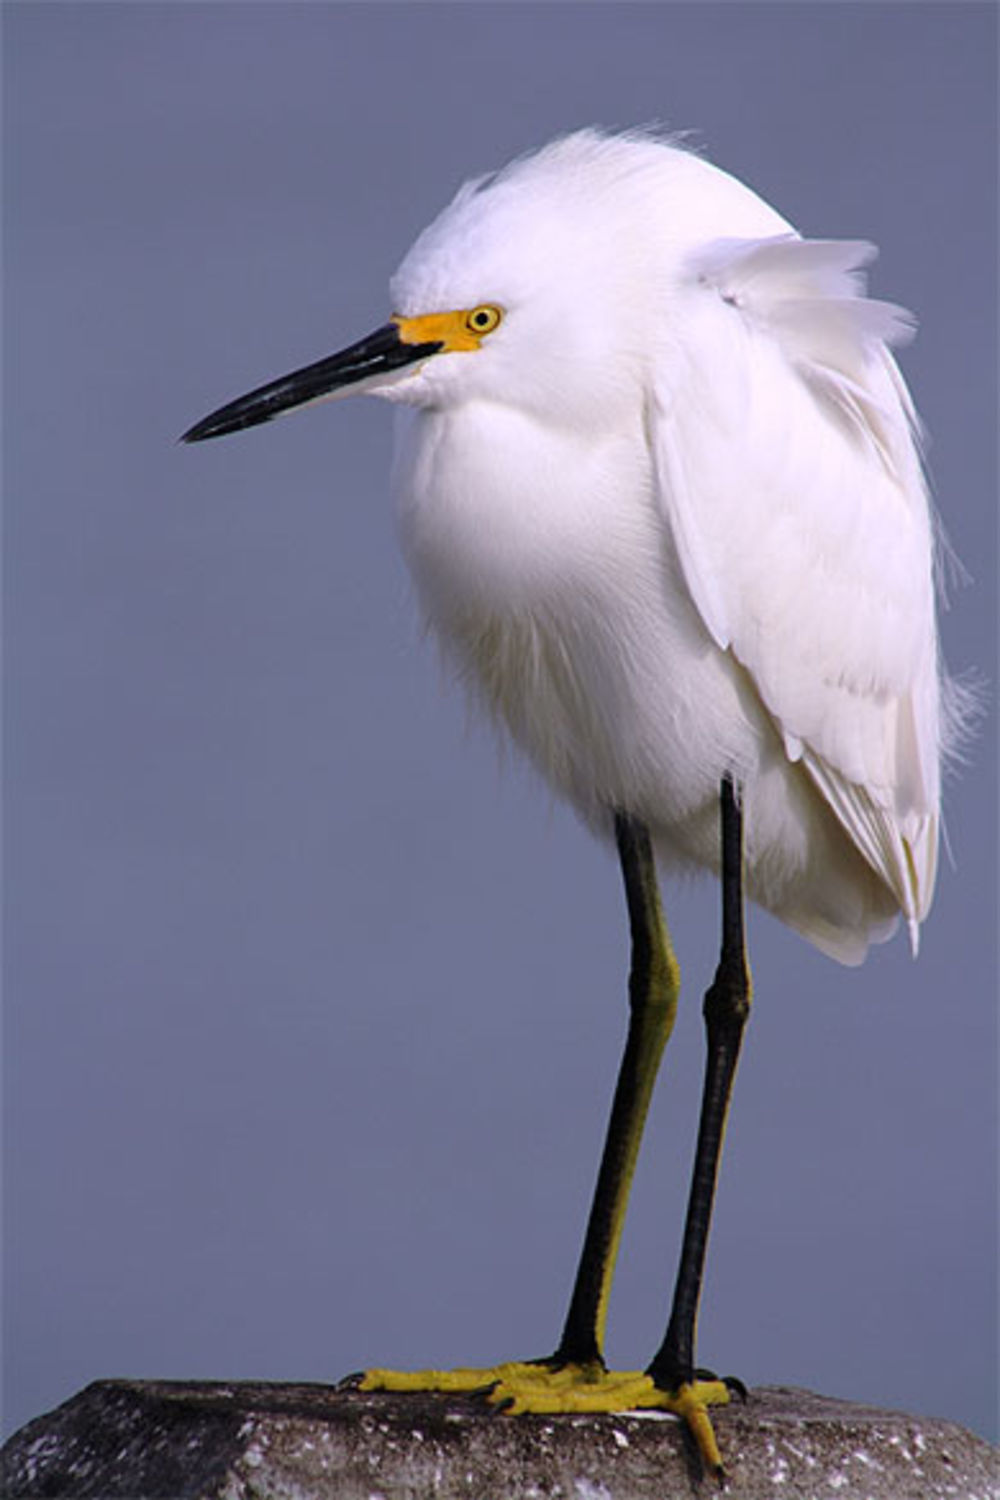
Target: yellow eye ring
(483, 319)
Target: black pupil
(481, 319)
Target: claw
(694, 1410)
(350, 1382)
(734, 1385)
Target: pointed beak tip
(381, 353)
(206, 428)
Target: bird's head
(538, 287)
(526, 290)
(532, 282)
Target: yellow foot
(463, 1380)
(538, 1386)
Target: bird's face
(522, 293)
(388, 362)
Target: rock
(173, 1440)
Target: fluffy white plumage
(659, 486)
(670, 520)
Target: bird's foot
(550, 1387)
(465, 1380)
(590, 1388)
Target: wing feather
(789, 472)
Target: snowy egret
(659, 490)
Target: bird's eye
(483, 319)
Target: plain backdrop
(314, 1000)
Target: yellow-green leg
(574, 1376)
(654, 984)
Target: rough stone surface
(167, 1440)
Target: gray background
(314, 1004)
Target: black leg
(727, 1005)
(653, 989)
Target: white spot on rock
(653, 1416)
(585, 1489)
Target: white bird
(659, 486)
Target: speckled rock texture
(166, 1440)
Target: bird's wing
(788, 470)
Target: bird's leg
(654, 982)
(574, 1377)
(727, 1005)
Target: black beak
(379, 354)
